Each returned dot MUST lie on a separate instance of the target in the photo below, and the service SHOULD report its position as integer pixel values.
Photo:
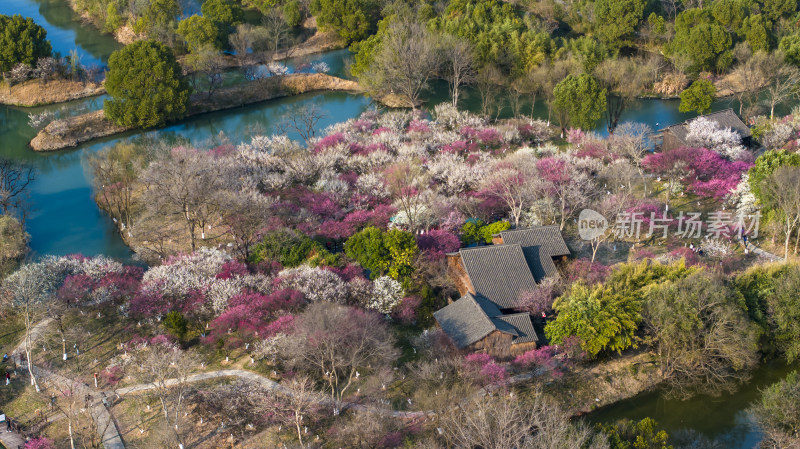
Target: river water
(65, 219)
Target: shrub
(291, 249)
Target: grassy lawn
(11, 333)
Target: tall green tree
(146, 86)
(765, 165)
(223, 12)
(616, 20)
(159, 19)
(702, 40)
(730, 13)
(498, 33)
(351, 19)
(758, 32)
(790, 46)
(580, 101)
(775, 9)
(21, 42)
(198, 32)
(606, 317)
(698, 97)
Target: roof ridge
(473, 248)
(529, 228)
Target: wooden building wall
(455, 268)
(498, 344)
(670, 141)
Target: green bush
(606, 317)
(21, 42)
(176, 324)
(471, 232)
(146, 86)
(291, 249)
(293, 13)
(389, 252)
(494, 228)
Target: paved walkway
(765, 254)
(11, 440)
(105, 423)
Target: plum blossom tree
(671, 164)
(561, 179)
(165, 368)
(386, 295)
(183, 186)
(407, 183)
(29, 290)
(512, 183)
(337, 343)
(316, 284)
(705, 133)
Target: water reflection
(64, 29)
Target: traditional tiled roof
(472, 318)
(498, 272)
(725, 119)
(540, 263)
(522, 325)
(466, 320)
(549, 238)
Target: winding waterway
(65, 219)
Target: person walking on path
(8, 378)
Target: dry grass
(36, 93)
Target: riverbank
(319, 42)
(35, 93)
(70, 132)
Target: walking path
(11, 440)
(274, 386)
(106, 427)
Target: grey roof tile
(500, 273)
(725, 118)
(540, 263)
(466, 322)
(522, 324)
(549, 238)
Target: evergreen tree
(146, 86)
(580, 101)
(698, 97)
(21, 41)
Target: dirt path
(274, 386)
